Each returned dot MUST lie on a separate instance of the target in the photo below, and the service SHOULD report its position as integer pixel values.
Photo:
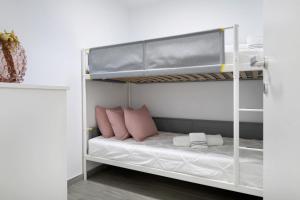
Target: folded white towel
(214, 140)
(181, 141)
(198, 140)
(197, 137)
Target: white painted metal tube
(83, 101)
(251, 110)
(236, 105)
(228, 27)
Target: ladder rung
(251, 110)
(252, 149)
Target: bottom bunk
(157, 155)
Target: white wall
(213, 100)
(106, 94)
(158, 18)
(53, 33)
(282, 108)
(204, 100)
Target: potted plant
(12, 58)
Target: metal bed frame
(235, 185)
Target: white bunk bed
(245, 70)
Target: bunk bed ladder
(237, 109)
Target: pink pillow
(139, 123)
(116, 119)
(103, 122)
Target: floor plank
(114, 183)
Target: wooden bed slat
(221, 76)
(243, 75)
(229, 74)
(255, 75)
(210, 76)
(200, 77)
(249, 75)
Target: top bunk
(200, 56)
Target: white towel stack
(198, 140)
(214, 140)
(181, 141)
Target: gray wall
(199, 100)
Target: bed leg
(84, 170)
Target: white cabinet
(32, 142)
(282, 108)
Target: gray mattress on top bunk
(200, 56)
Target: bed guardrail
(201, 52)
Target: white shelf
(32, 86)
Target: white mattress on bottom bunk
(159, 152)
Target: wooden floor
(112, 183)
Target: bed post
(236, 106)
(84, 53)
